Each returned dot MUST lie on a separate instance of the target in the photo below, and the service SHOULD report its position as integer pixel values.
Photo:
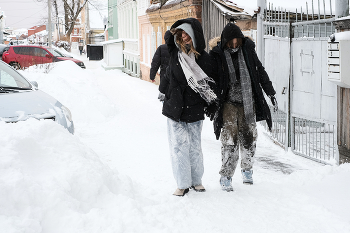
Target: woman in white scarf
(187, 92)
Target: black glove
(218, 123)
(161, 97)
(274, 103)
(211, 110)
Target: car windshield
(55, 52)
(12, 79)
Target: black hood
(230, 31)
(198, 33)
(167, 36)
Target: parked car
(3, 48)
(21, 99)
(19, 56)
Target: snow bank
(114, 174)
(75, 88)
(51, 182)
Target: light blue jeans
(186, 152)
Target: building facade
(146, 33)
(162, 14)
(112, 26)
(123, 28)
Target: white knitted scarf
(196, 78)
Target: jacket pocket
(173, 104)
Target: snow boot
(226, 183)
(198, 188)
(180, 192)
(247, 176)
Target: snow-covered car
(62, 54)
(21, 99)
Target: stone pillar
(341, 8)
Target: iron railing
(314, 139)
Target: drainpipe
(260, 30)
(1, 30)
(341, 8)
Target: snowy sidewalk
(114, 174)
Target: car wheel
(15, 65)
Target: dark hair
(229, 43)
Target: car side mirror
(48, 56)
(34, 83)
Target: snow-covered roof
(343, 18)
(153, 7)
(229, 11)
(42, 33)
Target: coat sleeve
(265, 82)
(214, 72)
(164, 84)
(155, 64)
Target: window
(24, 50)
(39, 52)
(75, 31)
(7, 80)
(10, 78)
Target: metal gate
(295, 58)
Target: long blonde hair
(182, 44)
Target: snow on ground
(114, 174)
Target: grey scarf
(246, 85)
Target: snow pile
(342, 36)
(51, 182)
(81, 95)
(114, 174)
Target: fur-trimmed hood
(214, 42)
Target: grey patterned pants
(186, 152)
(236, 133)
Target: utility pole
(49, 24)
(260, 30)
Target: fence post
(341, 8)
(260, 29)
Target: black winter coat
(259, 78)
(160, 59)
(181, 102)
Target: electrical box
(338, 58)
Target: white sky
(23, 13)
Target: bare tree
(72, 9)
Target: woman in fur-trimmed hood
(187, 91)
(241, 80)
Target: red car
(20, 56)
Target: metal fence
(314, 139)
(311, 135)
